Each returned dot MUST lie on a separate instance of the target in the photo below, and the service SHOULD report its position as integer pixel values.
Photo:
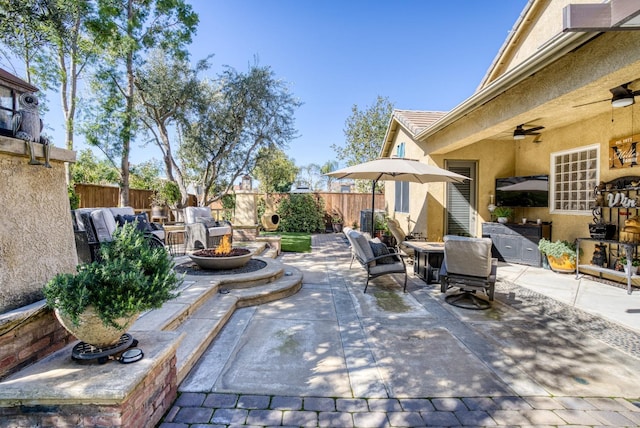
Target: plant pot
(159, 211)
(502, 220)
(92, 330)
(562, 264)
(634, 270)
(337, 227)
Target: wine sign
(623, 152)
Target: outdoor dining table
(428, 259)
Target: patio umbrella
(396, 169)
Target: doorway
(461, 200)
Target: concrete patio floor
(552, 351)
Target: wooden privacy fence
(94, 195)
(348, 205)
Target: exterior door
(461, 200)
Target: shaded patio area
(552, 350)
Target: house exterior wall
(414, 220)
(495, 158)
(36, 234)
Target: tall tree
(364, 132)
(310, 176)
(89, 169)
(50, 37)
(327, 167)
(21, 33)
(166, 88)
(236, 115)
(274, 170)
(126, 30)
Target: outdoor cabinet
(517, 243)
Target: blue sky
(421, 54)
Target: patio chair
(383, 262)
(202, 230)
(399, 236)
(468, 265)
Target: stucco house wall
(36, 235)
(537, 83)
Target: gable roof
(16, 82)
(414, 121)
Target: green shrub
(301, 212)
(131, 277)
(558, 248)
(74, 198)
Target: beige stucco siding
(36, 234)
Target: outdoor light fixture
(519, 134)
(623, 100)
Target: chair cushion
(192, 213)
(468, 256)
(387, 268)
(361, 246)
(104, 224)
(219, 231)
(141, 219)
(122, 211)
(207, 221)
(379, 249)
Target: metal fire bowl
(221, 263)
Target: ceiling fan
(519, 133)
(622, 96)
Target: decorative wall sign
(623, 152)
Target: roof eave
(558, 46)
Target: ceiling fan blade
(592, 102)
(532, 131)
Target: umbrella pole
(373, 205)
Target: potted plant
(166, 194)
(337, 222)
(99, 302)
(621, 264)
(561, 254)
(380, 226)
(503, 214)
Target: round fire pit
(207, 259)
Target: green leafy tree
(145, 175)
(21, 35)
(51, 38)
(166, 88)
(89, 169)
(274, 170)
(301, 212)
(126, 30)
(234, 117)
(364, 133)
(310, 176)
(327, 167)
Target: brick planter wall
(27, 335)
(58, 391)
(143, 407)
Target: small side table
(174, 239)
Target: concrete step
(201, 310)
